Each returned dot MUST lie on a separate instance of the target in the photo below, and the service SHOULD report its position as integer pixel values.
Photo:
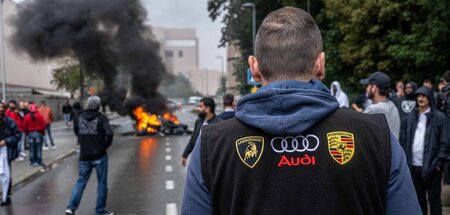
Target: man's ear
(319, 67)
(254, 67)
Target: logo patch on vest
(341, 146)
(408, 105)
(250, 149)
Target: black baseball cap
(378, 78)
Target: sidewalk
(65, 142)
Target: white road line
(169, 168)
(170, 185)
(168, 157)
(171, 209)
(167, 149)
(167, 138)
(167, 143)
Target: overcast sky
(190, 14)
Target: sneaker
(20, 158)
(35, 164)
(45, 148)
(23, 154)
(105, 213)
(8, 202)
(70, 212)
(53, 147)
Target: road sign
(250, 80)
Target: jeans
(21, 143)
(35, 142)
(66, 118)
(48, 136)
(101, 167)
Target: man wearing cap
(379, 84)
(426, 150)
(95, 136)
(290, 149)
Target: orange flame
(146, 122)
(171, 117)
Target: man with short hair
(206, 116)
(228, 107)
(426, 150)
(379, 91)
(290, 149)
(95, 136)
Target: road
(145, 177)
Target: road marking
(171, 209)
(169, 168)
(167, 149)
(167, 138)
(167, 143)
(168, 157)
(170, 185)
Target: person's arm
(109, 134)
(196, 198)
(401, 196)
(191, 143)
(14, 137)
(357, 108)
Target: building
(233, 56)
(23, 76)
(205, 81)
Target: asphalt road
(145, 177)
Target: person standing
(95, 137)
(290, 149)
(67, 110)
(9, 137)
(47, 113)
(13, 113)
(228, 107)
(34, 127)
(425, 150)
(340, 95)
(206, 116)
(379, 89)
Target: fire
(145, 121)
(171, 117)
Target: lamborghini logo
(250, 149)
(341, 146)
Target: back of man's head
(446, 76)
(209, 102)
(287, 44)
(93, 103)
(228, 100)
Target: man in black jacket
(425, 150)
(95, 136)
(206, 115)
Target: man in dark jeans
(95, 136)
(425, 150)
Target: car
(193, 100)
(173, 105)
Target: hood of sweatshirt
(286, 107)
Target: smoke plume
(107, 37)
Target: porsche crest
(341, 146)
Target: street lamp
(251, 5)
(3, 70)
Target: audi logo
(299, 143)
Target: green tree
(67, 77)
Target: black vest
(339, 166)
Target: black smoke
(106, 37)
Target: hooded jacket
(434, 142)
(288, 108)
(340, 95)
(12, 137)
(36, 123)
(405, 105)
(94, 133)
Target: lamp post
(3, 67)
(251, 5)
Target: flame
(171, 117)
(145, 121)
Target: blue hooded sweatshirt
(288, 108)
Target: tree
(67, 77)
(177, 86)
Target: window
(180, 53)
(169, 54)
